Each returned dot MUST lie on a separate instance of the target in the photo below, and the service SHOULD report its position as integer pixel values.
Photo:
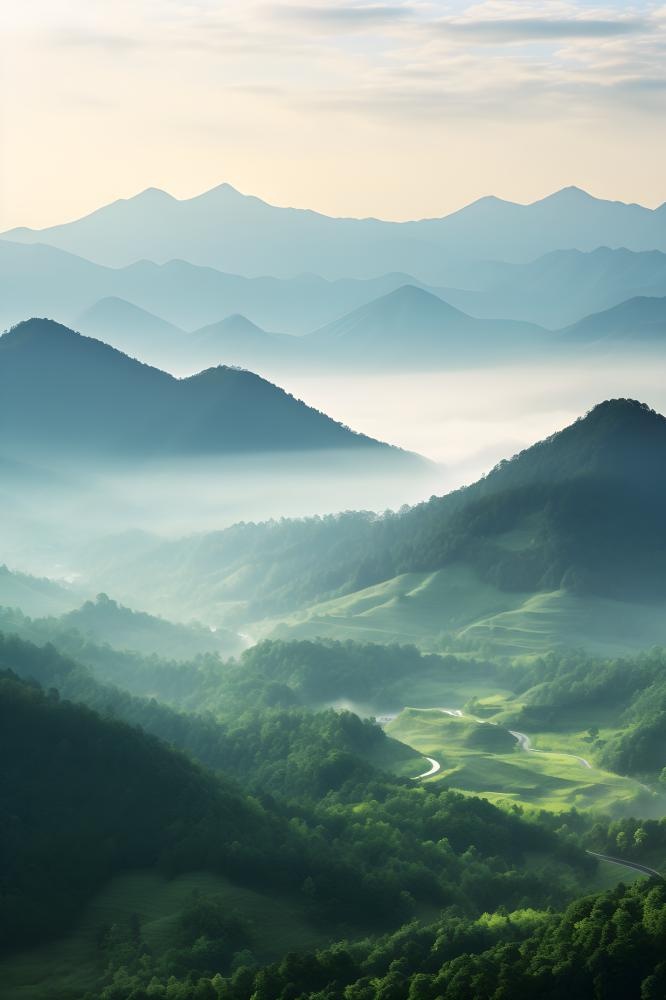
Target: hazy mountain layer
(224, 229)
(42, 280)
(637, 322)
(62, 394)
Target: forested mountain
(105, 621)
(113, 798)
(63, 394)
(580, 510)
(225, 229)
(33, 595)
(110, 798)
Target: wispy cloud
(526, 29)
(109, 41)
(342, 16)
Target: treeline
(631, 691)
(604, 947)
(269, 674)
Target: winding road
(435, 766)
(634, 865)
(524, 743)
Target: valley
(332, 601)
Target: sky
(400, 109)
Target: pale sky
(398, 109)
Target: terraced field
(453, 605)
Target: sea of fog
(467, 420)
(463, 421)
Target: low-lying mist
(469, 419)
(53, 514)
(464, 421)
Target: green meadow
(452, 607)
(485, 759)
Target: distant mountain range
(553, 291)
(563, 286)
(412, 327)
(227, 230)
(42, 280)
(408, 328)
(63, 394)
(640, 322)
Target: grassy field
(558, 618)
(69, 967)
(414, 607)
(454, 605)
(484, 759)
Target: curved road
(523, 741)
(435, 766)
(526, 744)
(634, 865)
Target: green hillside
(485, 759)
(455, 608)
(578, 515)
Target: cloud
(109, 41)
(346, 17)
(528, 29)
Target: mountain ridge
(59, 389)
(232, 231)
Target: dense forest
(360, 841)
(603, 947)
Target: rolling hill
(225, 229)
(65, 394)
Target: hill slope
(81, 778)
(61, 393)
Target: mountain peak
(152, 194)
(569, 195)
(37, 329)
(623, 411)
